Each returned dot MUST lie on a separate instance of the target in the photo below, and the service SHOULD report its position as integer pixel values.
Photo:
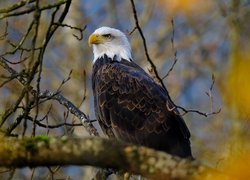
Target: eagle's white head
(110, 41)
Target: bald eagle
(129, 104)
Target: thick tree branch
(47, 151)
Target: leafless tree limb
(54, 126)
(32, 8)
(87, 123)
(16, 6)
(175, 107)
(76, 28)
(138, 27)
(173, 48)
(5, 32)
(47, 151)
(16, 47)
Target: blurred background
(211, 38)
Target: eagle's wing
(134, 107)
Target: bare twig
(87, 123)
(20, 48)
(37, 16)
(16, 6)
(52, 172)
(175, 107)
(24, 115)
(5, 31)
(33, 8)
(53, 126)
(137, 26)
(76, 28)
(132, 31)
(14, 107)
(10, 78)
(16, 62)
(84, 89)
(21, 41)
(206, 114)
(172, 67)
(173, 33)
(173, 49)
(210, 94)
(65, 80)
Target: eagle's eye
(107, 36)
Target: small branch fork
(137, 26)
(171, 106)
(34, 69)
(173, 49)
(79, 38)
(6, 13)
(87, 123)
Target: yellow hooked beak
(95, 39)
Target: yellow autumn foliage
(238, 166)
(234, 168)
(187, 7)
(238, 85)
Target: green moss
(32, 143)
(45, 139)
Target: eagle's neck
(105, 59)
(114, 52)
(99, 62)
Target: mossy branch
(95, 151)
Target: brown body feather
(132, 107)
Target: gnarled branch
(55, 96)
(94, 151)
